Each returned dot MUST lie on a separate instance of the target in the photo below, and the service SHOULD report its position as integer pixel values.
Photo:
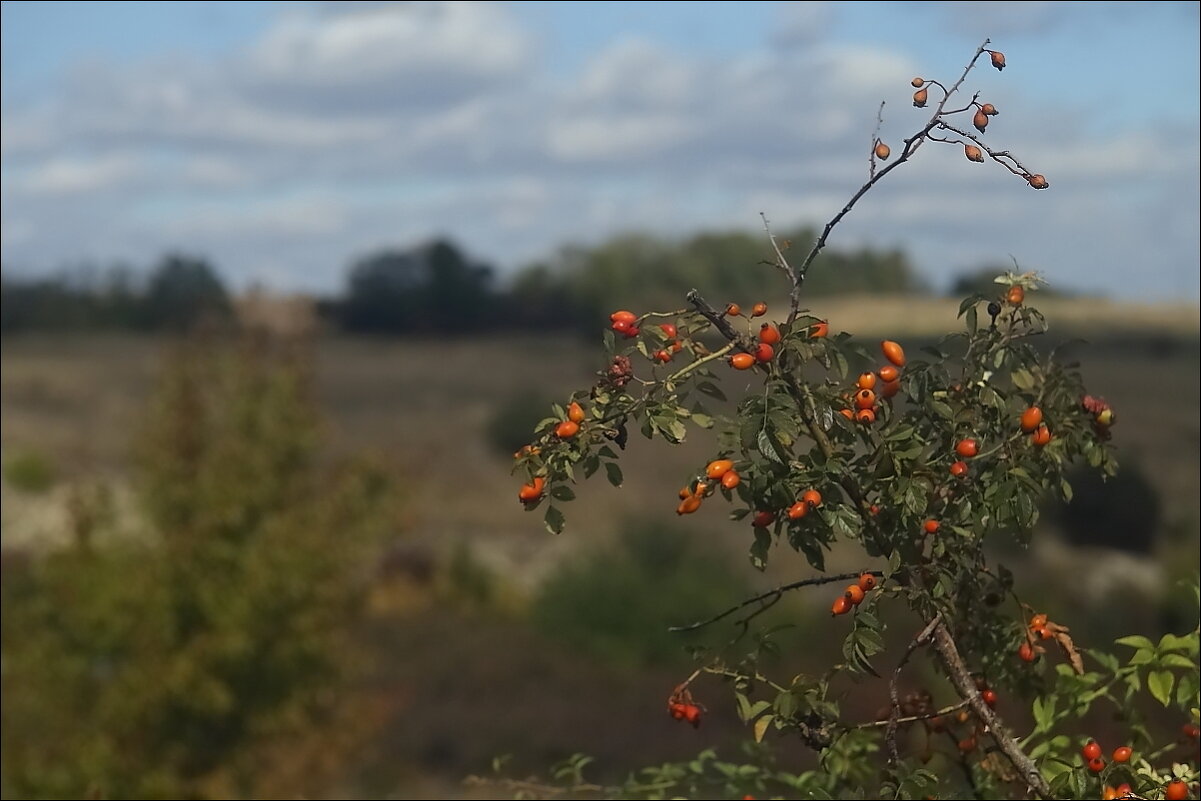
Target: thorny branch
(948, 652)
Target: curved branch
(774, 595)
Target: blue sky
(283, 139)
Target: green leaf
(703, 420)
(1177, 660)
(711, 389)
(971, 320)
(554, 520)
(1172, 642)
(1136, 641)
(764, 444)
(613, 473)
(562, 493)
(1159, 684)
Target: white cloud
(75, 175)
(353, 125)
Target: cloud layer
(349, 126)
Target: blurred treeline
(416, 290)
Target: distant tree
(421, 289)
(183, 291)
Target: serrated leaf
(1159, 684)
(764, 444)
(553, 520)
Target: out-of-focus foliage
(618, 601)
(29, 471)
(167, 664)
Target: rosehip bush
(918, 460)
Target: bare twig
(911, 146)
(894, 713)
(946, 710)
(871, 160)
(773, 595)
(1002, 157)
(957, 671)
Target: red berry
(959, 469)
(764, 352)
(990, 697)
(668, 329)
(692, 714)
(967, 448)
(1096, 765)
(1091, 750)
(867, 582)
(1122, 753)
(763, 519)
(1026, 652)
(930, 526)
(1176, 791)
(841, 605)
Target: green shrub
(30, 471)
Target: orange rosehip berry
(759, 309)
(931, 526)
(812, 498)
(867, 582)
(1041, 436)
(769, 333)
(840, 606)
(1037, 181)
(731, 479)
(865, 399)
(883, 151)
(819, 330)
(718, 467)
(893, 352)
(575, 412)
(866, 380)
(798, 510)
(1032, 418)
(920, 97)
(854, 593)
(742, 361)
(973, 153)
(865, 416)
(567, 429)
(998, 59)
(532, 491)
(888, 373)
